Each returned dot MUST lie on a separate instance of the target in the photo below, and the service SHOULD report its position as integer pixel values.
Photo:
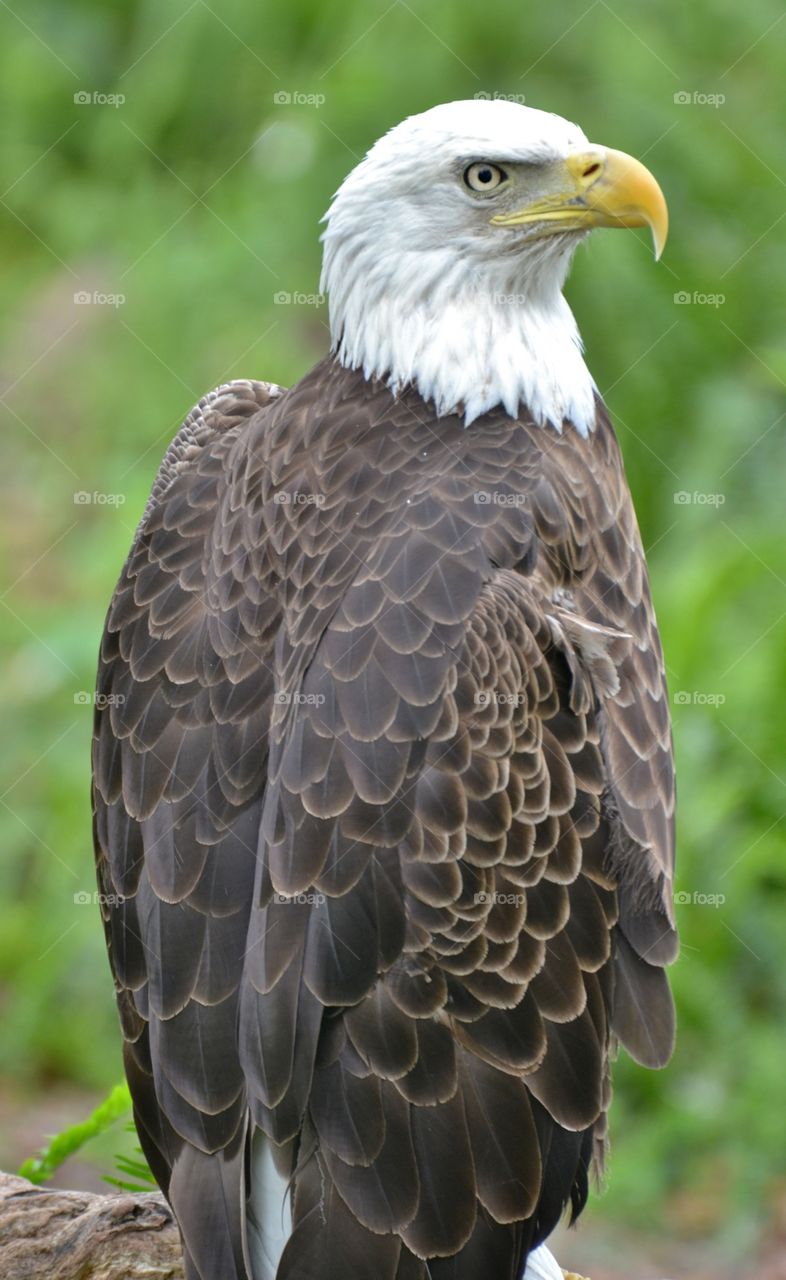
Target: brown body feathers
(383, 810)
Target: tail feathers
(205, 1194)
(643, 1010)
(566, 1159)
(542, 1265)
(399, 1190)
(326, 1230)
(492, 1250)
(268, 1211)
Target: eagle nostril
(591, 170)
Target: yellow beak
(598, 188)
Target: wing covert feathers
(384, 824)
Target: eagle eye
(483, 176)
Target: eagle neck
(468, 339)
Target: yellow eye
(483, 176)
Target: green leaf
(41, 1167)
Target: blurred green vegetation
(116, 1106)
(197, 199)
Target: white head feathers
(424, 289)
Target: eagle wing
(179, 758)
(637, 742)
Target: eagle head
(447, 247)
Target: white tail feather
(542, 1265)
(269, 1214)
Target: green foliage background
(198, 200)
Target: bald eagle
(383, 779)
